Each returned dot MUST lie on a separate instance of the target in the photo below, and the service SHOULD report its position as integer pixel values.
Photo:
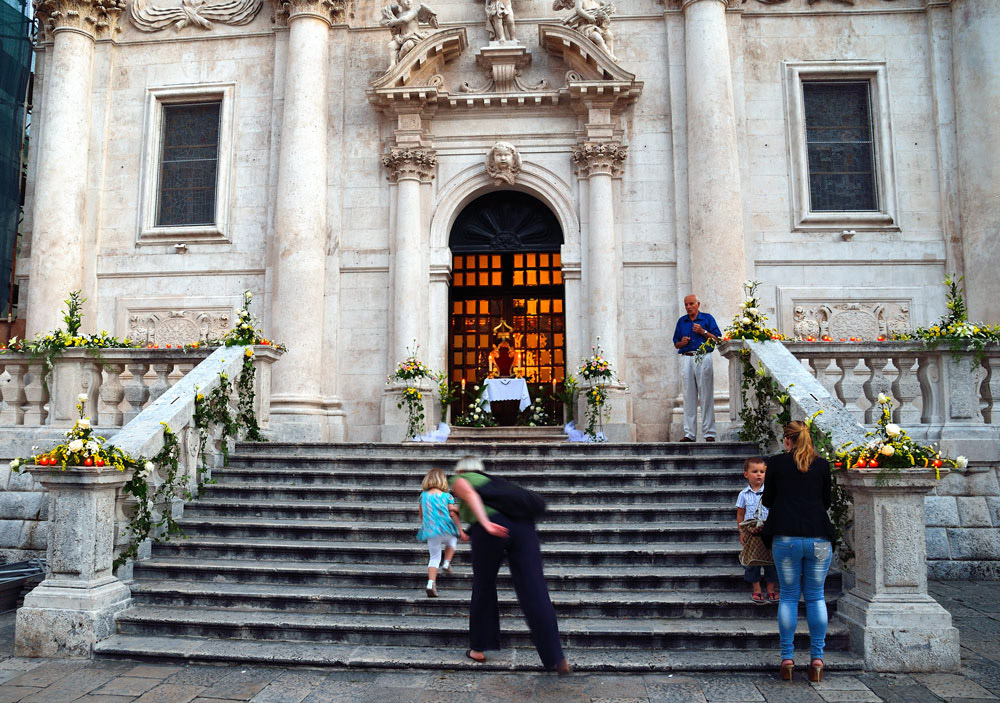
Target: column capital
(728, 4)
(415, 164)
(93, 18)
(329, 11)
(597, 158)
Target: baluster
(929, 376)
(90, 385)
(818, 365)
(13, 394)
(905, 388)
(847, 388)
(112, 394)
(136, 392)
(36, 394)
(991, 390)
(875, 384)
(161, 384)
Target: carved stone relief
(177, 327)
(94, 17)
(403, 19)
(844, 320)
(196, 13)
(503, 163)
(592, 18)
(419, 164)
(599, 158)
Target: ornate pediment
(582, 56)
(420, 66)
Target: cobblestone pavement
(975, 607)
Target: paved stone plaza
(975, 607)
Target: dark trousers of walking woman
(525, 560)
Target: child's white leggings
(436, 544)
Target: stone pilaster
(409, 169)
(894, 623)
(975, 25)
(60, 205)
(299, 409)
(74, 607)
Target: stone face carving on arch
(472, 182)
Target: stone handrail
(174, 407)
(938, 395)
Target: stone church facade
(600, 163)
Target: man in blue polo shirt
(691, 332)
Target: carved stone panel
(867, 320)
(178, 327)
(152, 17)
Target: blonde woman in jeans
(797, 495)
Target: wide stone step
(504, 450)
(452, 631)
(479, 435)
(401, 532)
(417, 466)
(618, 495)
(559, 579)
(318, 551)
(451, 600)
(604, 513)
(728, 477)
(322, 654)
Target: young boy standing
(748, 507)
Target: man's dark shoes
(688, 439)
(709, 439)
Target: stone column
(894, 623)
(975, 26)
(74, 606)
(300, 229)
(599, 162)
(715, 205)
(408, 168)
(60, 207)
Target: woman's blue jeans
(802, 564)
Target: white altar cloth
(506, 389)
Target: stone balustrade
(74, 607)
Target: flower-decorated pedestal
(394, 418)
(894, 624)
(75, 605)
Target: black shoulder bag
(512, 500)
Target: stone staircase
(305, 554)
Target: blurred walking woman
(495, 536)
(797, 494)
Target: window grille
(840, 146)
(189, 154)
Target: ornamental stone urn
(75, 605)
(894, 624)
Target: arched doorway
(506, 266)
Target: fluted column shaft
(60, 206)
(300, 225)
(976, 60)
(715, 209)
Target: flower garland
(598, 372)
(765, 407)
(954, 328)
(890, 449)
(748, 323)
(413, 400)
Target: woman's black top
(797, 501)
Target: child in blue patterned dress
(440, 525)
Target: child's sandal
(773, 597)
(757, 598)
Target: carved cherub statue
(500, 20)
(592, 18)
(403, 19)
(503, 163)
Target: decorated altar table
(499, 389)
